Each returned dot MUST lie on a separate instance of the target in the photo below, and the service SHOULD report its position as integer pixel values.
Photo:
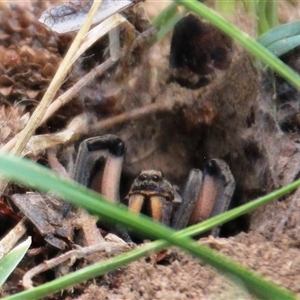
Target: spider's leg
(100, 155)
(190, 195)
(216, 191)
(110, 184)
(225, 192)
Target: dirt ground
(244, 114)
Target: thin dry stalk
(54, 163)
(97, 71)
(128, 116)
(34, 122)
(67, 96)
(97, 32)
(59, 77)
(108, 247)
(10, 240)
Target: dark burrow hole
(291, 124)
(240, 224)
(250, 121)
(252, 152)
(285, 92)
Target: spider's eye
(155, 178)
(142, 177)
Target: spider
(208, 193)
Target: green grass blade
(267, 15)
(226, 7)
(244, 39)
(169, 25)
(279, 33)
(43, 179)
(281, 47)
(272, 13)
(9, 262)
(251, 6)
(262, 22)
(166, 15)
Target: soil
(244, 114)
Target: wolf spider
(206, 194)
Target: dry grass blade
(60, 75)
(10, 240)
(34, 122)
(67, 96)
(97, 71)
(38, 143)
(97, 32)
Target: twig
(59, 76)
(54, 163)
(128, 116)
(10, 240)
(69, 94)
(72, 256)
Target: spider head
(152, 182)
